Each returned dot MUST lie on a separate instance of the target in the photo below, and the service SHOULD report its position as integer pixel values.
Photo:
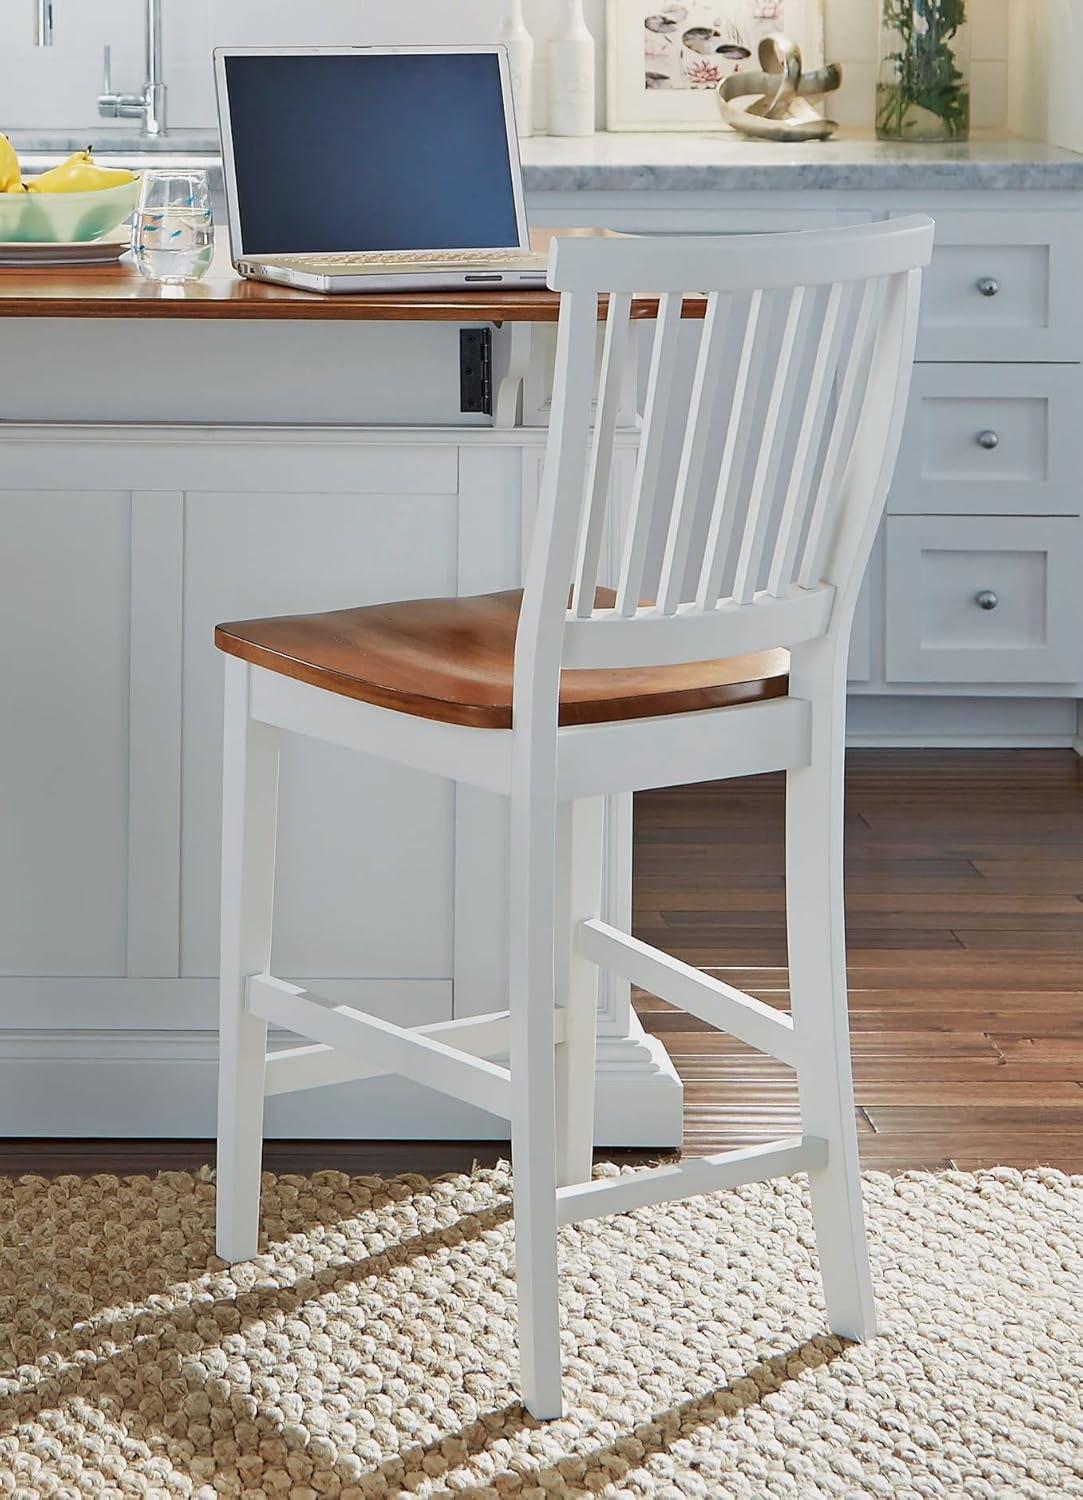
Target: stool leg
(815, 918)
(249, 818)
(533, 1121)
(580, 830)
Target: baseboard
(162, 1084)
(925, 740)
(949, 723)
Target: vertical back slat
(652, 445)
(854, 378)
(779, 406)
(724, 509)
(760, 472)
(698, 436)
(600, 468)
(821, 383)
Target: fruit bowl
(67, 217)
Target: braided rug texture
(370, 1350)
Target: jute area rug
(370, 1350)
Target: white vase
(571, 74)
(520, 45)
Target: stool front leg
(249, 821)
(532, 1000)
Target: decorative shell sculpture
(781, 109)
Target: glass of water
(173, 229)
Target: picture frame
(662, 76)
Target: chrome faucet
(43, 23)
(149, 106)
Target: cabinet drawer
(992, 439)
(983, 599)
(859, 667)
(1003, 286)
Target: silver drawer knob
(986, 599)
(989, 440)
(988, 286)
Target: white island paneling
(64, 604)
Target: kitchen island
(177, 456)
(234, 450)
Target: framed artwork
(665, 57)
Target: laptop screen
(370, 151)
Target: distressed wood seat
(453, 660)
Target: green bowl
(65, 217)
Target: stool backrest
(759, 487)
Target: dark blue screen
(404, 151)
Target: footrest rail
(382, 1045)
(701, 995)
(687, 1179)
(313, 1065)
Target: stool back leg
(249, 819)
(533, 1074)
(816, 926)
(580, 830)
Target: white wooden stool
(566, 692)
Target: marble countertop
(680, 162)
(698, 162)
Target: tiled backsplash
(57, 87)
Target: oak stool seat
(453, 660)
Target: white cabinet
(860, 665)
(1003, 286)
(984, 599)
(365, 852)
(985, 505)
(64, 609)
(992, 439)
(110, 587)
(390, 882)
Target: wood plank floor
(965, 945)
(965, 923)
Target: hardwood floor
(965, 927)
(965, 915)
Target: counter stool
(750, 552)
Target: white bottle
(571, 74)
(520, 45)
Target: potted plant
(923, 93)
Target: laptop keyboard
(368, 260)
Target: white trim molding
(161, 1084)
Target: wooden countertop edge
(396, 307)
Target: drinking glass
(173, 229)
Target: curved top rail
(741, 262)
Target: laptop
(372, 169)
